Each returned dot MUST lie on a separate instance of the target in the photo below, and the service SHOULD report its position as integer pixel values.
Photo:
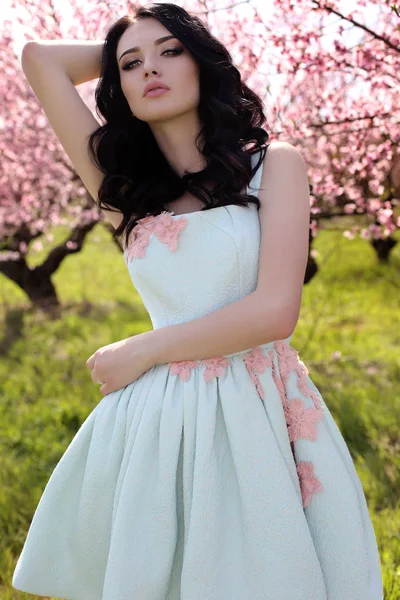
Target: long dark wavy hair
(138, 179)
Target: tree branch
(348, 120)
(377, 36)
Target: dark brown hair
(138, 179)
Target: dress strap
(255, 182)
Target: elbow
(29, 49)
(285, 331)
(280, 320)
(285, 324)
(28, 55)
(288, 321)
(31, 54)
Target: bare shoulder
(283, 169)
(283, 152)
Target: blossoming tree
(338, 101)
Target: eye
(175, 51)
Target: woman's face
(168, 62)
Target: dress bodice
(185, 266)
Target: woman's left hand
(118, 364)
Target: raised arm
(79, 59)
(53, 68)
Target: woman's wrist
(147, 346)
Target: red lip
(153, 85)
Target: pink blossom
(256, 362)
(167, 229)
(163, 225)
(289, 361)
(309, 483)
(302, 421)
(278, 382)
(215, 367)
(182, 368)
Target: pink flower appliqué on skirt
(301, 421)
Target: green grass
(348, 335)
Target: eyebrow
(156, 43)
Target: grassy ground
(348, 335)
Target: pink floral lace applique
(309, 484)
(164, 226)
(288, 359)
(256, 362)
(300, 420)
(215, 367)
(167, 229)
(278, 382)
(139, 237)
(182, 368)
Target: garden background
(328, 73)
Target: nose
(149, 66)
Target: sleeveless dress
(217, 479)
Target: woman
(211, 469)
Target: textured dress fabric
(218, 479)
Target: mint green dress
(217, 479)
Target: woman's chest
(185, 204)
(184, 266)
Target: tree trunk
(383, 248)
(312, 267)
(37, 282)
